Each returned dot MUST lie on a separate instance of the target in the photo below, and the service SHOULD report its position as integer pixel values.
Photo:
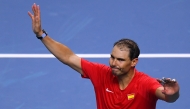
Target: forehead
(120, 52)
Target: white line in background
(93, 55)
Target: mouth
(115, 69)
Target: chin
(115, 73)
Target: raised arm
(60, 51)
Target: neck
(124, 80)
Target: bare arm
(63, 53)
(60, 51)
(169, 92)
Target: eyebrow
(117, 58)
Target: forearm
(60, 51)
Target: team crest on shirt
(131, 96)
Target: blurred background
(88, 27)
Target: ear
(134, 62)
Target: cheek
(110, 61)
(125, 66)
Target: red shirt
(139, 94)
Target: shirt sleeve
(155, 84)
(152, 84)
(94, 71)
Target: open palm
(36, 21)
(171, 88)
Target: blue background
(87, 26)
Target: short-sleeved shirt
(139, 94)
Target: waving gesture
(36, 21)
(171, 88)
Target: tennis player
(118, 86)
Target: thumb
(163, 91)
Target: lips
(114, 69)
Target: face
(120, 61)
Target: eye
(120, 59)
(111, 57)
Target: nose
(113, 62)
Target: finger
(30, 14)
(163, 91)
(39, 13)
(174, 80)
(34, 9)
(166, 80)
(169, 80)
(161, 81)
(38, 10)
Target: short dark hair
(134, 50)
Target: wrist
(41, 34)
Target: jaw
(114, 73)
(118, 73)
(123, 74)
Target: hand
(171, 86)
(36, 21)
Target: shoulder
(143, 77)
(89, 63)
(94, 66)
(147, 82)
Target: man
(119, 86)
